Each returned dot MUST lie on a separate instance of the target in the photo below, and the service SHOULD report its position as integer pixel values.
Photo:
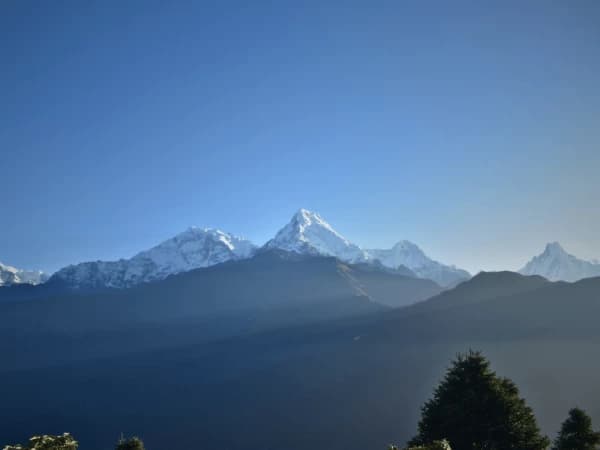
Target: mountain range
(307, 233)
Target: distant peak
(305, 216)
(554, 247)
(303, 212)
(406, 245)
(556, 264)
(198, 230)
(308, 233)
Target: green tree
(133, 443)
(576, 433)
(475, 409)
(47, 442)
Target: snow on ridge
(10, 275)
(308, 232)
(191, 249)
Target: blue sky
(470, 128)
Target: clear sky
(471, 128)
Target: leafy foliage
(133, 443)
(576, 433)
(47, 442)
(475, 409)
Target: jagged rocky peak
(307, 232)
(556, 264)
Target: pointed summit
(308, 233)
(555, 264)
(305, 218)
(554, 248)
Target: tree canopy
(576, 433)
(473, 408)
(133, 443)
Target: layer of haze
(470, 128)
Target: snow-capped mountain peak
(555, 264)
(305, 218)
(307, 232)
(11, 275)
(408, 254)
(191, 249)
(554, 249)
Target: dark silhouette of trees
(576, 433)
(473, 408)
(133, 443)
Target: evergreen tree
(576, 433)
(473, 408)
(133, 443)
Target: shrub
(133, 443)
(47, 442)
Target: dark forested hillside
(298, 386)
(273, 289)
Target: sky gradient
(470, 129)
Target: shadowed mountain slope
(314, 287)
(297, 387)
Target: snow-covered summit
(407, 254)
(191, 249)
(555, 264)
(307, 232)
(402, 253)
(11, 275)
